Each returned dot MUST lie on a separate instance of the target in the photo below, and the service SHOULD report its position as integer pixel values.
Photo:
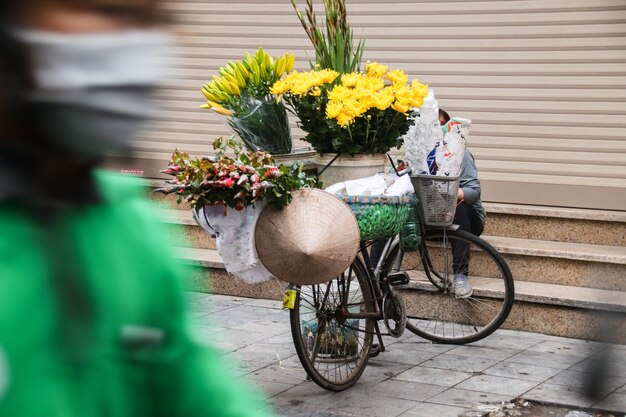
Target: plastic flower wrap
(235, 239)
(434, 149)
(355, 113)
(423, 137)
(241, 92)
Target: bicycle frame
(377, 288)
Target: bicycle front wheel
(332, 346)
(434, 311)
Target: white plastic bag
(235, 239)
(457, 125)
(389, 185)
(374, 185)
(423, 136)
(402, 186)
(450, 154)
(339, 187)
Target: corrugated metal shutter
(544, 82)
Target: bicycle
(333, 324)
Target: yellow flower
(403, 94)
(333, 108)
(328, 76)
(420, 89)
(350, 80)
(397, 77)
(374, 69)
(359, 98)
(368, 100)
(400, 108)
(304, 83)
(384, 99)
(417, 102)
(339, 93)
(300, 87)
(217, 108)
(279, 87)
(344, 119)
(371, 83)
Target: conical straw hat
(310, 241)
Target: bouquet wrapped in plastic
(421, 139)
(431, 149)
(262, 125)
(241, 92)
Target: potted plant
(241, 93)
(359, 115)
(350, 118)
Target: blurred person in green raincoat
(92, 319)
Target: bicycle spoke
(333, 347)
(433, 310)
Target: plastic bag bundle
(457, 125)
(235, 239)
(388, 185)
(423, 136)
(265, 126)
(450, 153)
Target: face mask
(91, 92)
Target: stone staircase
(569, 266)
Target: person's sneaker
(462, 287)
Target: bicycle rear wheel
(333, 348)
(433, 310)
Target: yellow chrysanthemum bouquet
(241, 92)
(354, 113)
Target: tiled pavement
(413, 378)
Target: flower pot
(302, 156)
(349, 167)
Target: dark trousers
(376, 251)
(468, 221)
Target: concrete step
(560, 263)
(598, 227)
(206, 273)
(558, 310)
(186, 231)
(534, 292)
(564, 263)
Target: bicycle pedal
(398, 278)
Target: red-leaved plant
(233, 178)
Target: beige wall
(544, 82)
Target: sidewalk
(413, 378)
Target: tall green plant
(334, 47)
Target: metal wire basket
(437, 198)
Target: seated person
(470, 216)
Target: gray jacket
(471, 185)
